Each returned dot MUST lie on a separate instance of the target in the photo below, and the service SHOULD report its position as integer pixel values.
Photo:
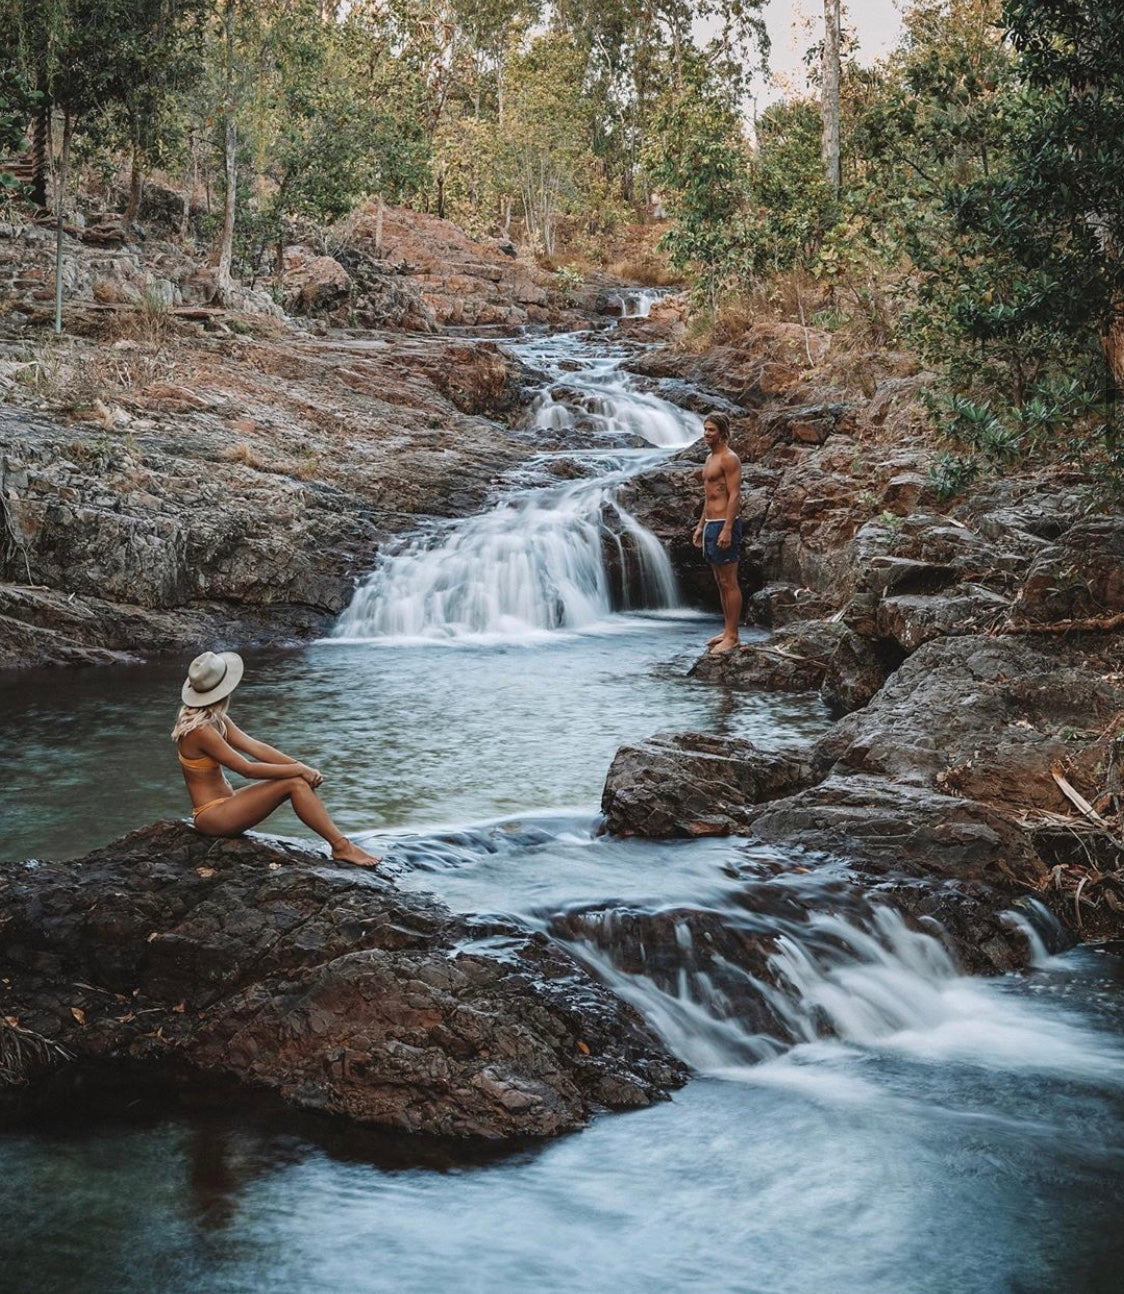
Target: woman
(209, 741)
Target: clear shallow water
(405, 736)
(946, 1135)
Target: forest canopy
(975, 215)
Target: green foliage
(953, 473)
(793, 208)
(17, 103)
(699, 160)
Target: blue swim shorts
(722, 556)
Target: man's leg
(713, 642)
(730, 592)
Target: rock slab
(261, 960)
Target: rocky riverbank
(260, 960)
(179, 472)
(972, 643)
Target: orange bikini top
(204, 764)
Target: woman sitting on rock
(209, 741)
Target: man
(719, 532)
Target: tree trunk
(230, 171)
(40, 152)
(230, 159)
(1114, 355)
(136, 177)
(831, 108)
(60, 201)
(188, 184)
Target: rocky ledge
(985, 773)
(260, 960)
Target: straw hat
(212, 676)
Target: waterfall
(636, 303)
(565, 558)
(560, 557)
(865, 980)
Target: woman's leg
(253, 804)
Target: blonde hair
(191, 717)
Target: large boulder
(988, 719)
(692, 784)
(261, 960)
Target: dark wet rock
(693, 784)
(902, 575)
(912, 619)
(1079, 576)
(708, 955)
(775, 666)
(804, 656)
(890, 828)
(927, 854)
(260, 960)
(780, 604)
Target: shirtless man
(719, 532)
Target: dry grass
(247, 455)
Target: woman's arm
(215, 745)
(250, 746)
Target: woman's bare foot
(347, 851)
(722, 646)
(710, 642)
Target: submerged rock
(264, 961)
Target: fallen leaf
(155, 935)
(205, 871)
(583, 1047)
(274, 867)
(78, 1014)
(180, 1008)
(13, 1020)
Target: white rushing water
(562, 557)
(835, 984)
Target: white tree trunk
(230, 160)
(831, 106)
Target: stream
(864, 1121)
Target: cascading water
(559, 557)
(637, 302)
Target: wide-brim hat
(212, 676)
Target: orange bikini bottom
(209, 805)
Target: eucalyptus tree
(83, 56)
(830, 91)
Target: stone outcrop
(942, 793)
(241, 501)
(262, 961)
(692, 784)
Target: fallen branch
(1098, 624)
(1076, 798)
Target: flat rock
(263, 961)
